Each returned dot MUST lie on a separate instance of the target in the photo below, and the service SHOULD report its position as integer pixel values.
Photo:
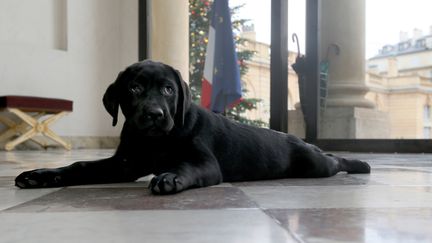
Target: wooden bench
(36, 115)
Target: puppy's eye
(135, 89)
(167, 90)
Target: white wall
(71, 49)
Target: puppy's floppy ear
(184, 98)
(111, 99)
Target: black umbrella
(300, 68)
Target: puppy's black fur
(184, 145)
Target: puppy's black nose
(154, 114)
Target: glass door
(374, 75)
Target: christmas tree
(199, 21)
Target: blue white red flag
(221, 85)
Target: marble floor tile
(167, 226)
(341, 179)
(392, 204)
(377, 168)
(341, 196)
(14, 162)
(7, 181)
(11, 196)
(135, 198)
(400, 176)
(357, 225)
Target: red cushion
(30, 103)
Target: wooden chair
(36, 115)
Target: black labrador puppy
(184, 145)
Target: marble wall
(68, 49)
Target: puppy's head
(153, 98)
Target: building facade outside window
(427, 121)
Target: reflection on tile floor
(136, 198)
(393, 204)
(167, 226)
(357, 224)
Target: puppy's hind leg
(308, 161)
(352, 166)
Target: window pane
(426, 132)
(296, 88)
(379, 84)
(255, 35)
(251, 28)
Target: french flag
(221, 85)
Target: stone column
(169, 33)
(348, 113)
(343, 23)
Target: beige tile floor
(393, 204)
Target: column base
(348, 95)
(296, 124)
(354, 123)
(345, 123)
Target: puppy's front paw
(39, 178)
(166, 183)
